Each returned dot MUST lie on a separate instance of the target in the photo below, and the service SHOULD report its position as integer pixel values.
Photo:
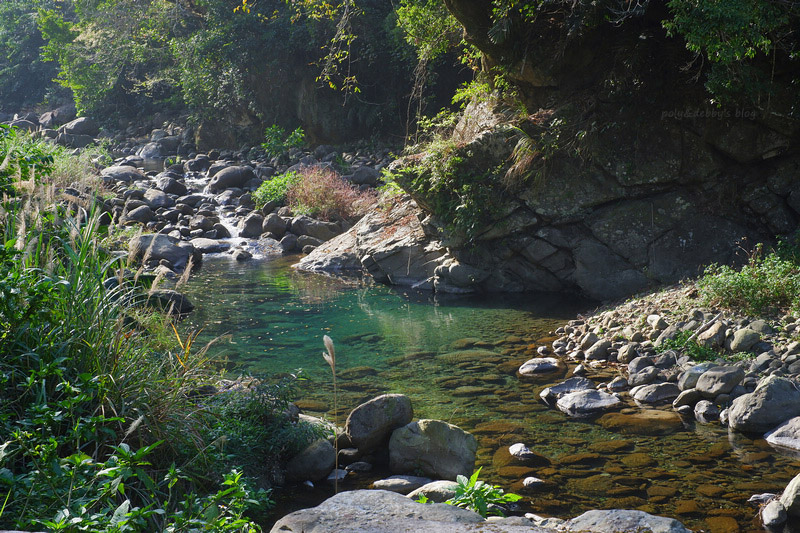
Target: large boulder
(160, 246)
(81, 126)
(719, 380)
(377, 511)
(250, 226)
(586, 403)
(775, 400)
(171, 301)
(655, 393)
(369, 424)
(230, 177)
(315, 462)
(433, 447)
(619, 520)
(74, 141)
(156, 199)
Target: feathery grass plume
(330, 358)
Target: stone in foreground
(787, 435)
(434, 448)
(586, 403)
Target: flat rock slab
(380, 511)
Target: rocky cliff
(606, 169)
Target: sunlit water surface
(456, 358)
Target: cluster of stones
(752, 387)
(381, 433)
(61, 126)
(204, 204)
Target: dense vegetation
(112, 420)
(261, 62)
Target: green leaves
(480, 497)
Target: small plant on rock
(480, 497)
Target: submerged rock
(539, 365)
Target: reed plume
(330, 358)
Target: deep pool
(456, 358)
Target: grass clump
(682, 342)
(316, 192)
(277, 141)
(766, 284)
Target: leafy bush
(681, 343)
(480, 497)
(274, 190)
(277, 142)
(765, 284)
(88, 393)
(22, 157)
(324, 194)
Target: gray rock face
(538, 365)
(230, 177)
(377, 511)
(365, 175)
(369, 424)
(636, 365)
(598, 351)
(171, 185)
(390, 244)
(274, 224)
(719, 380)
(74, 141)
(586, 403)
(161, 246)
(433, 447)
(171, 301)
(315, 462)
(618, 520)
(142, 214)
(688, 378)
(706, 412)
(787, 435)
(775, 400)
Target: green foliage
(277, 142)
(445, 180)
(765, 284)
(274, 190)
(103, 426)
(730, 35)
(681, 343)
(480, 497)
(25, 78)
(22, 158)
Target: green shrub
(274, 190)
(765, 284)
(480, 497)
(22, 158)
(277, 142)
(681, 343)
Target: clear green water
(456, 358)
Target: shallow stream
(456, 358)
